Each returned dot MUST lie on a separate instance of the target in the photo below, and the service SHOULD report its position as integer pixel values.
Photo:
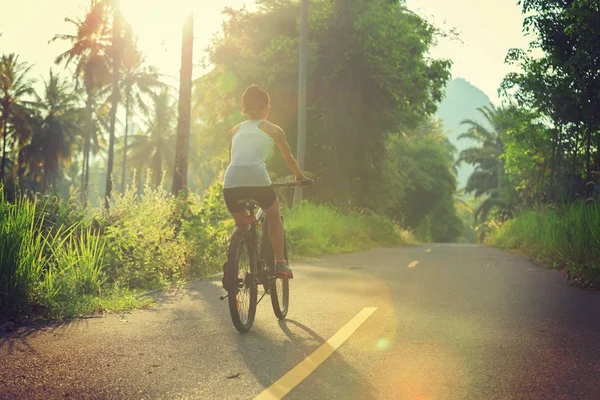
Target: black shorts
(235, 198)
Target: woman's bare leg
(241, 220)
(276, 230)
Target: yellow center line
(413, 264)
(428, 251)
(289, 381)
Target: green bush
(207, 226)
(442, 225)
(318, 229)
(145, 248)
(567, 237)
(446, 224)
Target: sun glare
(159, 17)
(158, 27)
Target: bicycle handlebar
(293, 184)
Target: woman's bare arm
(280, 139)
(232, 132)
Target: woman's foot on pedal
(283, 270)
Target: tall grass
(319, 229)
(75, 272)
(566, 237)
(51, 270)
(22, 260)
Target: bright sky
(488, 29)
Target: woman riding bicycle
(247, 178)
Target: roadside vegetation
(565, 237)
(537, 156)
(59, 261)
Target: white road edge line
(289, 381)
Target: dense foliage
(369, 77)
(370, 85)
(537, 157)
(97, 129)
(562, 85)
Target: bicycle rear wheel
(242, 291)
(280, 290)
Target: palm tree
(60, 111)
(185, 103)
(488, 176)
(139, 81)
(15, 87)
(89, 47)
(486, 158)
(155, 148)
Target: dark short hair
(255, 100)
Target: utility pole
(302, 77)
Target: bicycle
(250, 263)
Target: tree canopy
(369, 77)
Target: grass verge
(566, 237)
(315, 230)
(114, 300)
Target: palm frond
(489, 112)
(476, 131)
(484, 210)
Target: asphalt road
(449, 322)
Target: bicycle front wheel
(280, 291)
(242, 290)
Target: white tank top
(250, 147)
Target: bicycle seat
(251, 204)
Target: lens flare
(383, 344)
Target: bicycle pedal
(224, 297)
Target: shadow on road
(271, 349)
(15, 337)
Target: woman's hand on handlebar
(303, 180)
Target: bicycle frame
(261, 216)
(262, 275)
(264, 268)
(257, 216)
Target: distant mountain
(461, 102)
